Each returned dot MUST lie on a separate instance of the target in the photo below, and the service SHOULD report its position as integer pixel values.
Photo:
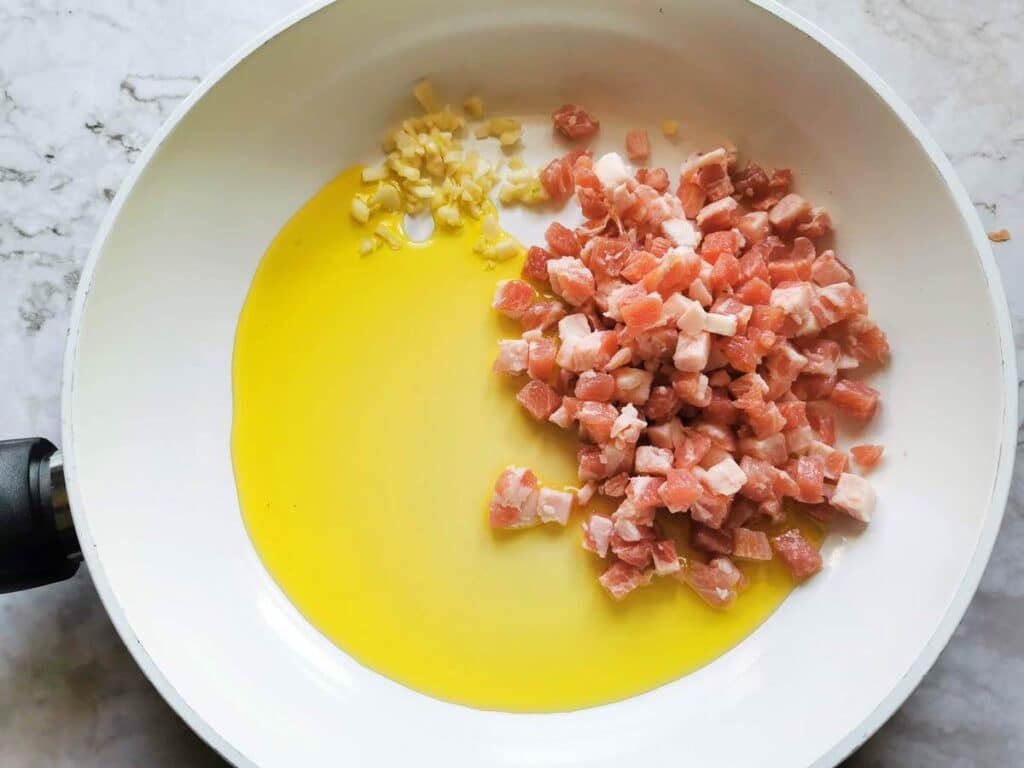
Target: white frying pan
(147, 384)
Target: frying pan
(143, 490)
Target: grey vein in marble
(84, 84)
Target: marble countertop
(84, 83)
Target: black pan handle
(37, 537)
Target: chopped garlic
(409, 172)
(388, 237)
(360, 210)
(489, 227)
(375, 173)
(426, 168)
(506, 249)
(368, 246)
(670, 128)
(509, 138)
(387, 197)
(449, 214)
(424, 93)
(500, 125)
(474, 107)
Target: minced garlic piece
(360, 210)
(522, 185)
(368, 246)
(670, 128)
(387, 197)
(424, 93)
(507, 130)
(375, 173)
(388, 237)
(489, 227)
(493, 245)
(474, 107)
(506, 249)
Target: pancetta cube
(513, 357)
(666, 560)
(597, 534)
(554, 506)
(653, 461)
(798, 555)
(854, 496)
(725, 478)
(692, 352)
(622, 578)
(514, 503)
(750, 545)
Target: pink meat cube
(554, 506)
(638, 146)
(653, 461)
(514, 503)
(750, 545)
(541, 359)
(802, 559)
(513, 297)
(721, 214)
(539, 399)
(622, 578)
(597, 533)
(854, 496)
(788, 212)
(595, 386)
(632, 385)
(712, 584)
(571, 280)
(666, 560)
(513, 357)
(644, 492)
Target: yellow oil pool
(368, 431)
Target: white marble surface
(84, 83)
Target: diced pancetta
(574, 122)
(638, 146)
(514, 503)
(691, 354)
(513, 357)
(798, 555)
(597, 533)
(854, 496)
(632, 385)
(750, 545)
(628, 425)
(666, 560)
(707, 306)
(622, 578)
(653, 461)
(725, 478)
(788, 212)
(539, 399)
(866, 455)
(571, 280)
(554, 506)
